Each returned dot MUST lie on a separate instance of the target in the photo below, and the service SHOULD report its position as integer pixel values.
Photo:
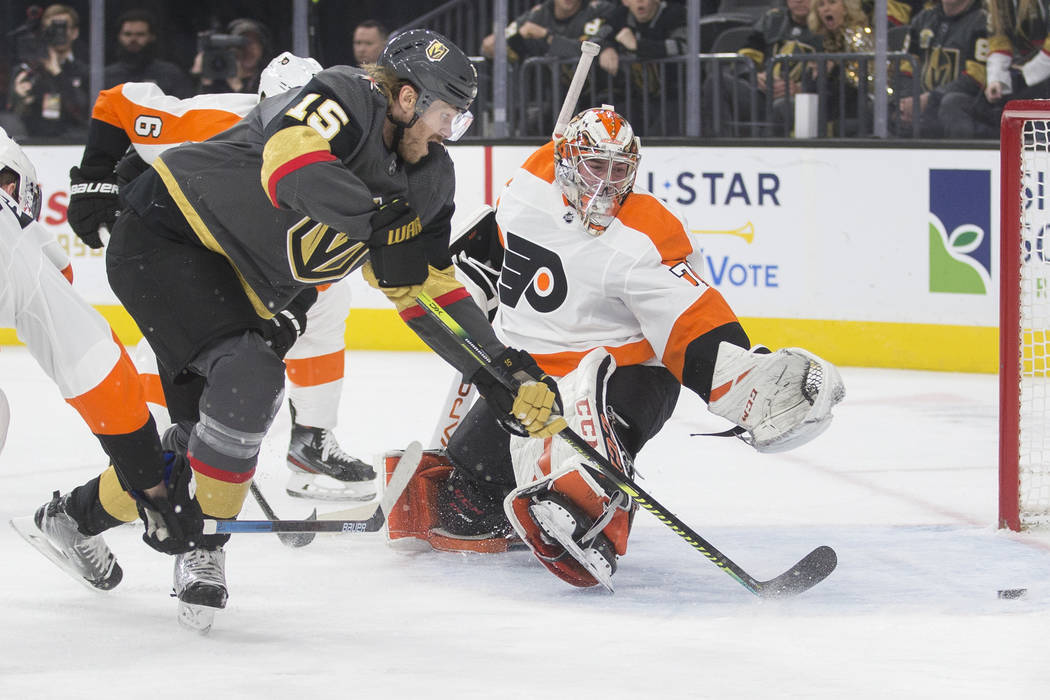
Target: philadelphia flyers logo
(318, 253)
(533, 271)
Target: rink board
(871, 257)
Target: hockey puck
(1012, 593)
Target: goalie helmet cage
(1024, 316)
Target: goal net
(1024, 316)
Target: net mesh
(1034, 431)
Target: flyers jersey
(155, 122)
(631, 290)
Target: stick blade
(811, 570)
(299, 539)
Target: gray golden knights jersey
(287, 194)
(954, 50)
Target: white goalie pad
(783, 399)
(5, 418)
(583, 397)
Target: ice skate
(54, 533)
(562, 523)
(320, 468)
(200, 586)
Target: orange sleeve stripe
(541, 162)
(647, 215)
(558, 364)
(313, 371)
(108, 106)
(708, 312)
(152, 389)
(67, 272)
(113, 107)
(115, 406)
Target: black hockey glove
(94, 202)
(534, 408)
(288, 324)
(174, 521)
(398, 256)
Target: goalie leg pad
(447, 511)
(574, 545)
(783, 399)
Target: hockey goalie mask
(285, 72)
(595, 163)
(27, 191)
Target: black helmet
(436, 66)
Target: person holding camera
(50, 95)
(232, 62)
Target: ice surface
(903, 486)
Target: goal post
(1024, 315)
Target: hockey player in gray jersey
(221, 245)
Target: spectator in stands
(951, 40)
(50, 95)
(249, 59)
(646, 29)
(553, 28)
(1018, 36)
(369, 39)
(843, 27)
(137, 60)
(779, 31)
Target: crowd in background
(970, 56)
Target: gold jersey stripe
(205, 236)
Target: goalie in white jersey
(594, 281)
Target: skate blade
(314, 486)
(196, 618)
(28, 531)
(551, 526)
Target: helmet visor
(446, 120)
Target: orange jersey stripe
(708, 312)
(312, 371)
(541, 162)
(152, 389)
(558, 364)
(114, 107)
(67, 272)
(646, 214)
(116, 405)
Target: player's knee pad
(783, 399)
(447, 510)
(555, 492)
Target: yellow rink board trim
(847, 343)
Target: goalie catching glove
(534, 408)
(782, 399)
(94, 202)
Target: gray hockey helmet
(440, 71)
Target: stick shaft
(588, 50)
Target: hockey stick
(811, 570)
(292, 540)
(406, 467)
(457, 403)
(588, 50)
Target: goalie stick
(406, 467)
(809, 571)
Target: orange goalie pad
(415, 514)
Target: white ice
(903, 486)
